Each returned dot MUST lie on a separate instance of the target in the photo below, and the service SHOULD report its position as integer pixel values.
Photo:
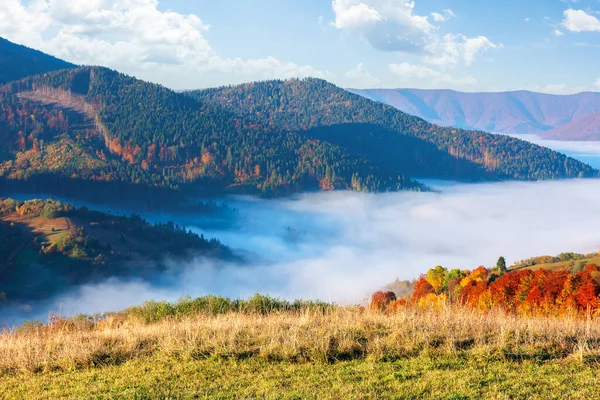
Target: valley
(269, 234)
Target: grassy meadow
(264, 348)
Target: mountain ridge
(18, 61)
(512, 112)
(95, 131)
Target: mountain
(586, 128)
(519, 112)
(95, 134)
(385, 136)
(17, 62)
(47, 247)
(94, 130)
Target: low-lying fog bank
(341, 246)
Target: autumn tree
(437, 278)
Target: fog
(586, 151)
(341, 246)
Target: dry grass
(304, 336)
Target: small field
(172, 351)
(563, 265)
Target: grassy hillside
(17, 62)
(389, 137)
(47, 247)
(269, 348)
(564, 261)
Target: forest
(47, 246)
(96, 132)
(544, 292)
(17, 62)
(389, 137)
(126, 130)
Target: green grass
(57, 237)
(561, 265)
(415, 378)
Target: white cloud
(133, 36)
(360, 78)
(580, 21)
(393, 25)
(437, 17)
(557, 32)
(426, 77)
(597, 84)
(561, 88)
(449, 13)
(527, 19)
(452, 49)
(388, 25)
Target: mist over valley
(342, 246)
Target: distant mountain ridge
(18, 62)
(518, 112)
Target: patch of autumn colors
(382, 300)
(522, 292)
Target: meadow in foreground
(214, 347)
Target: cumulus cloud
(557, 32)
(388, 25)
(427, 77)
(452, 49)
(360, 77)
(580, 21)
(393, 25)
(133, 36)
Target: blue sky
(544, 45)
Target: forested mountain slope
(47, 247)
(387, 136)
(93, 124)
(17, 62)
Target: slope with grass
(388, 137)
(47, 247)
(263, 347)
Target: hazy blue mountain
(18, 62)
(520, 112)
(586, 128)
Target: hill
(388, 137)
(213, 347)
(47, 247)
(17, 62)
(586, 128)
(519, 112)
(99, 128)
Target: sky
(550, 46)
